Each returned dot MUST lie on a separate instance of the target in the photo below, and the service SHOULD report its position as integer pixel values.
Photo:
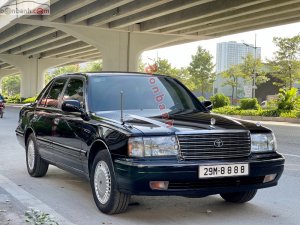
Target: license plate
(224, 170)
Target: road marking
(29, 201)
(298, 156)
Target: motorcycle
(2, 107)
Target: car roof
(109, 73)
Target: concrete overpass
(118, 31)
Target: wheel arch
(28, 131)
(97, 146)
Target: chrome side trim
(67, 147)
(61, 145)
(43, 139)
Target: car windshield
(153, 94)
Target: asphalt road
(68, 198)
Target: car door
(67, 129)
(45, 113)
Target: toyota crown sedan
(139, 134)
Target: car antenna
(122, 118)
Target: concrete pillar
(32, 71)
(120, 50)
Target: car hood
(183, 122)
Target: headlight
(263, 143)
(152, 146)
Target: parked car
(140, 134)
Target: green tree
(141, 65)
(61, 70)
(75, 68)
(285, 65)
(11, 85)
(288, 99)
(250, 66)
(161, 66)
(164, 67)
(201, 70)
(220, 100)
(94, 66)
(232, 76)
(184, 76)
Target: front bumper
(133, 175)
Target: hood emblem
(212, 121)
(218, 143)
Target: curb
(264, 118)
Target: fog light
(159, 185)
(269, 178)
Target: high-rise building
(231, 53)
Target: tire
(36, 166)
(239, 197)
(112, 201)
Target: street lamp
(254, 67)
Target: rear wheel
(36, 166)
(107, 197)
(239, 197)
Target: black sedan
(140, 134)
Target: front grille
(216, 182)
(202, 146)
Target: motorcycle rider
(2, 106)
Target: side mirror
(74, 106)
(208, 105)
(71, 106)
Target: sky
(181, 55)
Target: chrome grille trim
(236, 143)
(221, 132)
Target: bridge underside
(118, 31)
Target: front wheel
(36, 166)
(107, 197)
(239, 197)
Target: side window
(51, 98)
(44, 92)
(74, 91)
